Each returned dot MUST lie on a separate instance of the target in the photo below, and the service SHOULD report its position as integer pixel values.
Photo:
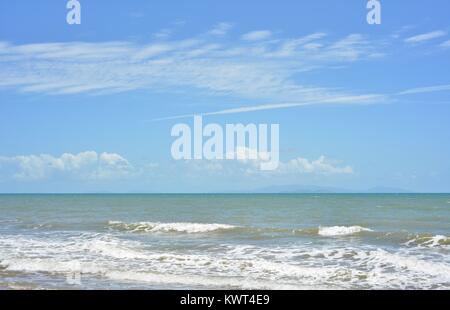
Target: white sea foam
(201, 281)
(243, 266)
(429, 241)
(109, 257)
(169, 227)
(437, 240)
(341, 230)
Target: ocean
(261, 241)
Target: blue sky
(359, 106)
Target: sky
(89, 108)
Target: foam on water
(200, 281)
(193, 228)
(429, 241)
(169, 227)
(291, 266)
(341, 230)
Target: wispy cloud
(428, 89)
(362, 99)
(337, 100)
(291, 46)
(255, 70)
(163, 33)
(445, 44)
(426, 36)
(168, 31)
(221, 29)
(398, 33)
(257, 35)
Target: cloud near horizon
(85, 165)
(248, 161)
(90, 165)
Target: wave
(403, 238)
(185, 227)
(298, 265)
(169, 227)
(426, 240)
(120, 260)
(341, 230)
(193, 228)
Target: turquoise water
(300, 241)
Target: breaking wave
(341, 230)
(153, 227)
(425, 240)
(169, 227)
(227, 266)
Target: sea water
(286, 241)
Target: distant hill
(293, 189)
(387, 190)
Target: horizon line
(233, 193)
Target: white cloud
(221, 29)
(397, 34)
(248, 162)
(362, 99)
(163, 33)
(93, 166)
(254, 70)
(428, 89)
(166, 32)
(257, 35)
(152, 50)
(84, 165)
(343, 100)
(351, 47)
(426, 36)
(312, 46)
(322, 165)
(290, 46)
(445, 44)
